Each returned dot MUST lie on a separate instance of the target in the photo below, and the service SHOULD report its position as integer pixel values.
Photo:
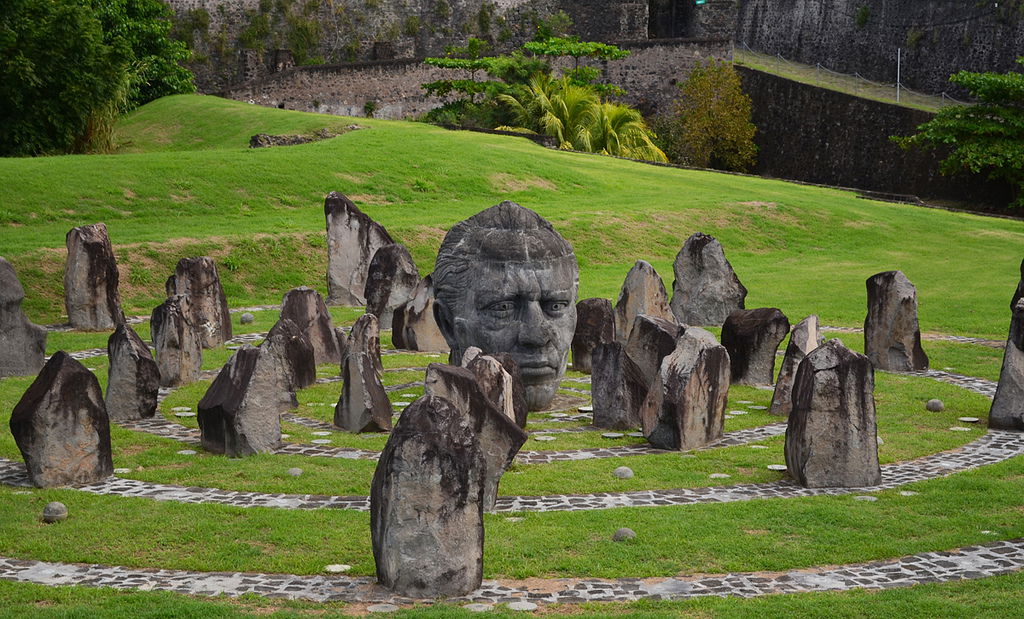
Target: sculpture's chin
(540, 395)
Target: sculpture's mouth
(537, 371)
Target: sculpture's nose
(535, 330)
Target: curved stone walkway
(970, 562)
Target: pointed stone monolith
(595, 325)
(802, 339)
(1007, 412)
(133, 380)
(413, 326)
(892, 337)
(306, 308)
(179, 352)
(90, 280)
(22, 344)
(706, 289)
(208, 306)
(291, 347)
(363, 405)
(642, 292)
(391, 279)
(352, 240)
(650, 340)
(365, 338)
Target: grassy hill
(198, 189)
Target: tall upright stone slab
(500, 438)
(240, 414)
(413, 326)
(22, 344)
(133, 381)
(618, 388)
(495, 382)
(650, 341)
(363, 405)
(519, 408)
(752, 337)
(306, 308)
(179, 351)
(802, 339)
(595, 325)
(391, 279)
(291, 347)
(352, 240)
(892, 338)
(426, 503)
(685, 406)
(90, 280)
(831, 439)
(365, 338)
(1019, 294)
(706, 289)
(61, 427)
(642, 292)
(208, 307)
(1007, 412)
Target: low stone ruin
(685, 406)
(595, 325)
(892, 338)
(306, 308)
(1007, 412)
(363, 405)
(240, 414)
(426, 503)
(61, 427)
(802, 339)
(706, 289)
(831, 439)
(208, 306)
(179, 352)
(618, 388)
(752, 337)
(391, 278)
(413, 326)
(294, 353)
(133, 380)
(642, 292)
(90, 280)
(352, 240)
(650, 340)
(22, 344)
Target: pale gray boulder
(892, 337)
(642, 292)
(363, 405)
(179, 350)
(306, 308)
(352, 240)
(391, 279)
(208, 306)
(133, 380)
(595, 325)
(22, 344)
(706, 289)
(802, 339)
(91, 296)
(752, 338)
(1007, 412)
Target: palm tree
(621, 131)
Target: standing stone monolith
(1007, 412)
(90, 280)
(240, 414)
(413, 326)
(650, 340)
(831, 439)
(892, 338)
(1019, 294)
(802, 339)
(208, 306)
(363, 405)
(495, 383)
(291, 347)
(365, 338)
(595, 325)
(61, 427)
(508, 363)
(618, 388)
(179, 352)
(306, 308)
(22, 344)
(133, 381)
(391, 279)
(706, 289)
(752, 337)
(642, 292)
(685, 406)
(352, 240)
(500, 438)
(426, 503)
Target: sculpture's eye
(501, 308)
(556, 307)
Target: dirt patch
(366, 198)
(129, 194)
(508, 183)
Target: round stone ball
(247, 318)
(935, 405)
(623, 472)
(295, 471)
(623, 534)
(55, 512)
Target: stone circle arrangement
(648, 376)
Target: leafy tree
(710, 125)
(987, 137)
(572, 47)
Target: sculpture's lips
(536, 371)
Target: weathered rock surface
(500, 438)
(1019, 294)
(363, 405)
(293, 351)
(365, 338)
(642, 292)
(831, 439)
(179, 352)
(426, 503)
(650, 340)
(618, 388)
(802, 339)
(752, 337)
(1007, 412)
(391, 279)
(61, 427)
(685, 406)
(133, 379)
(706, 289)
(306, 308)
(208, 307)
(352, 240)
(495, 382)
(519, 408)
(90, 280)
(595, 325)
(22, 344)
(892, 338)
(413, 326)
(240, 415)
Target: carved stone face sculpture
(506, 281)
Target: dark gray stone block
(752, 337)
(595, 325)
(892, 338)
(179, 352)
(90, 280)
(306, 308)
(352, 240)
(22, 344)
(706, 289)
(363, 405)
(802, 339)
(618, 388)
(413, 326)
(1007, 412)
(208, 307)
(642, 292)
(133, 381)
(650, 340)
(391, 279)
(294, 352)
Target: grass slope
(803, 249)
